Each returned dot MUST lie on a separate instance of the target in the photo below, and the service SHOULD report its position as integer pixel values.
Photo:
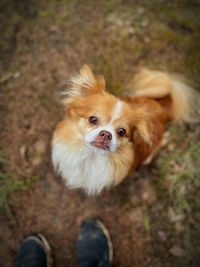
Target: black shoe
(34, 252)
(94, 245)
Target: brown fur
(154, 99)
(150, 120)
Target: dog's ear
(89, 82)
(84, 84)
(144, 131)
(143, 128)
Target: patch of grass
(186, 18)
(37, 154)
(9, 183)
(147, 223)
(178, 187)
(194, 151)
(49, 10)
(10, 18)
(105, 67)
(180, 171)
(138, 24)
(191, 243)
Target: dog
(103, 139)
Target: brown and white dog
(102, 138)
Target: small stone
(36, 161)
(171, 147)
(141, 10)
(162, 236)
(54, 28)
(119, 22)
(145, 196)
(111, 17)
(173, 217)
(179, 227)
(144, 23)
(23, 152)
(131, 30)
(176, 250)
(16, 75)
(182, 190)
(40, 146)
(176, 168)
(147, 39)
(137, 216)
(127, 22)
(148, 193)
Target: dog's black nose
(105, 135)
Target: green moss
(194, 151)
(9, 183)
(147, 223)
(192, 60)
(181, 183)
(187, 18)
(37, 154)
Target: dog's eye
(121, 132)
(93, 120)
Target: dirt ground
(153, 218)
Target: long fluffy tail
(180, 101)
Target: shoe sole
(106, 233)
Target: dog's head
(103, 122)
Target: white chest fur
(82, 167)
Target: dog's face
(98, 119)
(103, 121)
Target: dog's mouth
(101, 145)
